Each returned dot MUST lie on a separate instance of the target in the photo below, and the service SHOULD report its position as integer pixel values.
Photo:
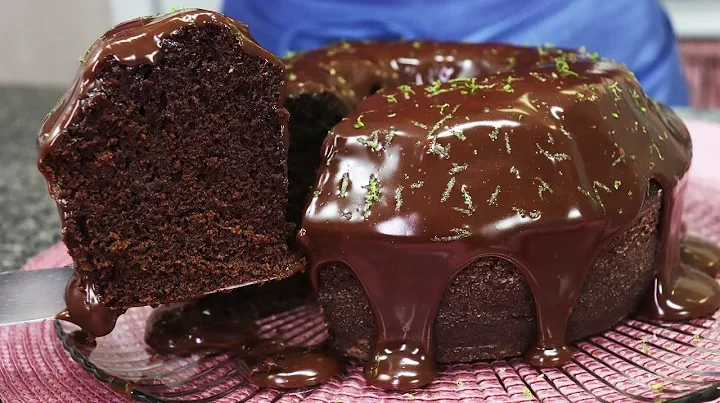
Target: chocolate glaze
(85, 309)
(227, 322)
(353, 70)
(135, 42)
(541, 163)
(278, 366)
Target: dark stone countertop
(29, 221)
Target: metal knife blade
(31, 296)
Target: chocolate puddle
(227, 322)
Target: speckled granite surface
(28, 218)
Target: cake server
(31, 296)
(35, 295)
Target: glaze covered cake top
(481, 158)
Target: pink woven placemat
(34, 367)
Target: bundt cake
(489, 201)
(167, 160)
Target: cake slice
(167, 160)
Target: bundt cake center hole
(375, 88)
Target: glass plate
(636, 361)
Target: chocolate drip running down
(541, 164)
(227, 322)
(85, 309)
(133, 43)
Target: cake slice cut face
(167, 160)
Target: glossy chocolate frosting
(354, 70)
(541, 162)
(136, 42)
(85, 309)
(228, 322)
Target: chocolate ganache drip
(541, 163)
(135, 42)
(85, 309)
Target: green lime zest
(373, 194)
(359, 123)
(406, 90)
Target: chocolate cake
(490, 200)
(167, 159)
(455, 202)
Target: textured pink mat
(35, 368)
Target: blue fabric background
(635, 32)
